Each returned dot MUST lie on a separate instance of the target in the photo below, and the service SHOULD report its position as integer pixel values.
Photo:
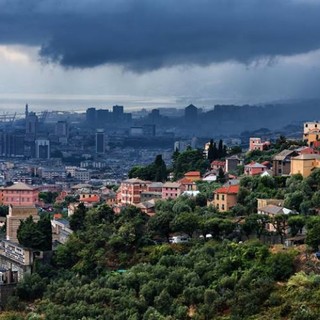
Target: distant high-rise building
(102, 117)
(31, 126)
(91, 117)
(42, 148)
(191, 115)
(27, 111)
(154, 116)
(117, 112)
(62, 131)
(11, 144)
(100, 141)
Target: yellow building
(225, 198)
(305, 164)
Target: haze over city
(73, 54)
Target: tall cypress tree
(35, 235)
(160, 169)
(211, 151)
(220, 149)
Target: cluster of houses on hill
(23, 199)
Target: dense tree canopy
(156, 171)
(36, 235)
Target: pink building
(130, 191)
(254, 168)
(257, 144)
(171, 190)
(19, 194)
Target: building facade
(14, 218)
(19, 194)
(225, 198)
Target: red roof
(233, 189)
(218, 163)
(57, 216)
(93, 198)
(192, 174)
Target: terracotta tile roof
(57, 216)
(185, 181)
(254, 165)
(233, 189)
(93, 198)
(192, 174)
(19, 186)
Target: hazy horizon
(16, 103)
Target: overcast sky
(159, 52)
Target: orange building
(89, 198)
(193, 175)
(19, 194)
(225, 197)
(187, 184)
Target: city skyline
(157, 54)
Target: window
(306, 125)
(279, 170)
(222, 197)
(217, 196)
(218, 206)
(222, 207)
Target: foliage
(189, 160)
(48, 197)
(77, 220)
(4, 210)
(32, 287)
(157, 171)
(313, 234)
(214, 280)
(36, 235)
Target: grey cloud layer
(150, 34)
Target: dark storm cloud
(150, 34)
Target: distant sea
(13, 103)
